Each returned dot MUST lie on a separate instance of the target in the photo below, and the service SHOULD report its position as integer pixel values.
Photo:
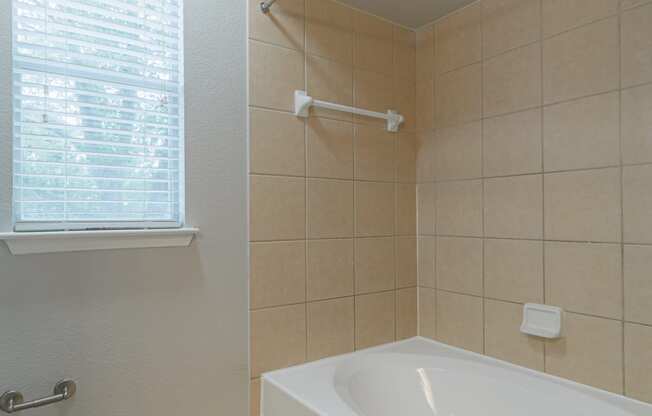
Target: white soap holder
(541, 320)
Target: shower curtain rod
(266, 5)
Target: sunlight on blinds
(98, 114)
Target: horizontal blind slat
(33, 25)
(98, 23)
(81, 73)
(35, 46)
(105, 89)
(66, 118)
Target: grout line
(486, 59)
(533, 239)
(418, 308)
(545, 240)
(396, 205)
(622, 215)
(521, 303)
(647, 325)
(354, 138)
(449, 14)
(320, 300)
(512, 49)
(281, 305)
(324, 178)
(384, 19)
(483, 183)
(473, 178)
(305, 169)
(590, 315)
(458, 68)
(543, 178)
(430, 137)
(276, 45)
(361, 237)
(581, 26)
(552, 172)
(578, 98)
(455, 292)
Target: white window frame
(84, 236)
(53, 226)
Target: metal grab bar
(12, 401)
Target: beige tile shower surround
(535, 184)
(333, 198)
(523, 174)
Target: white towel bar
(303, 102)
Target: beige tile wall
(534, 167)
(333, 198)
(528, 138)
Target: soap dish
(541, 320)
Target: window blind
(98, 114)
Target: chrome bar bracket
(266, 5)
(13, 401)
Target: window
(98, 114)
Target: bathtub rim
(275, 377)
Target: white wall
(150, 332)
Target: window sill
(63, 241)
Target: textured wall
(535, 176)
(148, 331)
(333, 203)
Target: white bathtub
(420, 377)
